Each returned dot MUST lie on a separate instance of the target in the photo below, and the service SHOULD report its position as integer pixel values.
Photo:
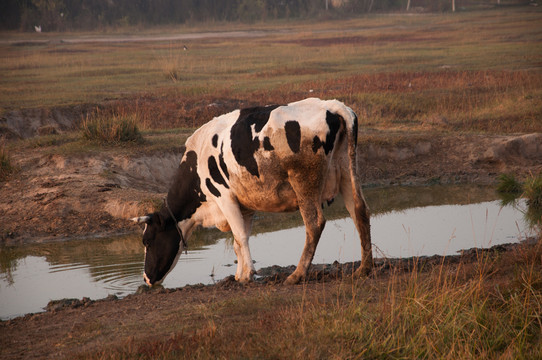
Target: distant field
(474, 71)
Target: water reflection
(407, 221)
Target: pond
(406, 221)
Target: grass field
(475, 72)
(471, 71)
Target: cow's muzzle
(150, 283)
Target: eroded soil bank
(56, 197)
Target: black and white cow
(272, 158)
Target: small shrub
(111, 128)
(509, 188)
(170, 63)
(533, 191)
(533, 195)
(509, 184)
(6, 168)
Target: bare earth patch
(57, 197)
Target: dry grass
(474, 71)
(491, 308)
(474, 101)
(6, 166)
(171, 62)
(111, 128)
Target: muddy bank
(75, 328)
(276, 275)
(55, 196)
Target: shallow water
(406, 222)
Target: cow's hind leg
(314, 225)
(359, 212)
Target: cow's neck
(185, 196)
(168, 211)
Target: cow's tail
(362, 215)
(351, 124)
(352, 136)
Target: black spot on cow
(355, 129)
(215, 140)
(185, 195)
(212, 188)
(316, 144)
(267, 144)
(243, 145)
(293, 135)
(334, 124)
(223, 163)
(215, 173)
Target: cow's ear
(158, 220)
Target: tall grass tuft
(533, 191)
(111, 128)
(509, 184)
(533, 194)
(510, 190)
(6, 167)
(170, 63)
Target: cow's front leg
(241, 225)
(245, 267)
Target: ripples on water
(31, 276)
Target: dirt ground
(60, 197)
(57, 197)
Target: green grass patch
(510, 190)
(533, 191)
(508, 184)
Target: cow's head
(162, 243)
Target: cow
(271, 159)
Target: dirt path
(80, 39)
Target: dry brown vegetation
(467, 101)
(425, 79)
(474, 72)
(478, 305)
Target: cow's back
(251, 154)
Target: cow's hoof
(246, 278)
(362, 272)
(292, 280)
